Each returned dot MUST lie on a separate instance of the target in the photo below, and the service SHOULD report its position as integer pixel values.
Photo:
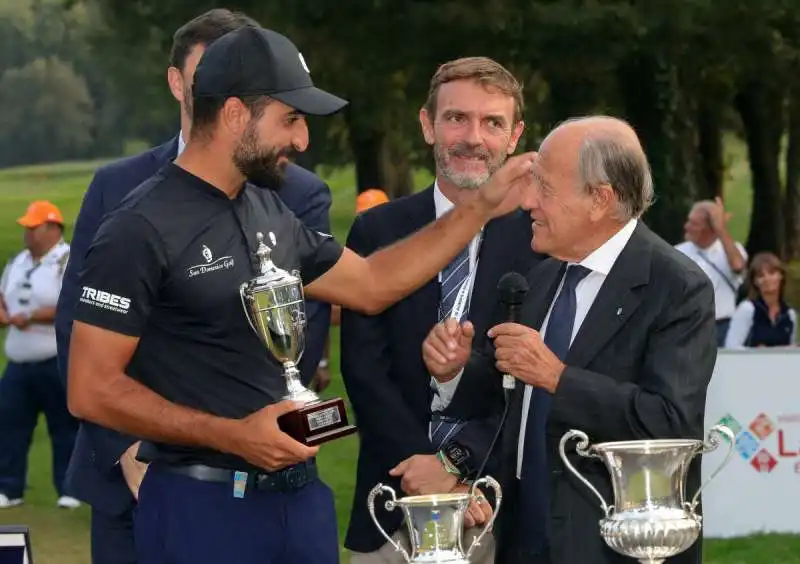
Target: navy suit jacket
(93, 475)
(382, 365)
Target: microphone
(512, 287)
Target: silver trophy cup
(650, 520)
(435, 523)
(275, 308)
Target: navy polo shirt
(166, 267)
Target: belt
(285, 480)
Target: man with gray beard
(409, 438)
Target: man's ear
(426, 121)
(519, 127)
(605, 201)
(234, 116)
(175, 82)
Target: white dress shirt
(27, 285)
(599, 262)
(724, 296)
(181, 144)
(444, 391)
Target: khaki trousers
(387, 554)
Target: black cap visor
(311, 101)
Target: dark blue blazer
(382, 365)
(93, 475)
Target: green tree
(52, 115)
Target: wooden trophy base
(317, 423)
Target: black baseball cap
(255, 61)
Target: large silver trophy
(435, 523)
(275, 308)
(650, 519)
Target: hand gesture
(479, 510)
(423, 474)
(262, 443)
(446, 349)
(20, 321)
(321, 380)
(132, 470)
(521, 352)
(502, 193)
(717, 215)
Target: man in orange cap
(29, 290)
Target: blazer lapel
(166, 153)
(615, 303)
(543, 282)
(490, 262)
(426, 299)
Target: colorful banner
(757, 394)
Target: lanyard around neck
(463, 297)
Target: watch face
(457, 454)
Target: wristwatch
(460, 457)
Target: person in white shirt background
(724, 260)
(30, 385)
(764, 319)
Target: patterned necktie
(454, 276)
(534, 479)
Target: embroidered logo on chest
(210, 263)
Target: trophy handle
(390, 506)
(498, 493)
(711, 444)
(582, 448)
(246, 309)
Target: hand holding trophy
(275, 308)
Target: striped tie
(454, 276)
(533, 490)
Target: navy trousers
(26, 390)
(181, 520)
(112, 537)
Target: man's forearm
(735, 259)
(127, 406)
(400, 268)
(44, 315)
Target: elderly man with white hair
(616, 338)
(724, 260)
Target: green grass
(62, 537)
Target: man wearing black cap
(161, 348)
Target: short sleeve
(318, 251)
(121, 275)
(4, 278)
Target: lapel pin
(619, 312)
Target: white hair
(607, 157)
(603, 159)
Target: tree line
(685, 73)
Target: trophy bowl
(650, 519)
(435, 523)
(274, 305)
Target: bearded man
(409, 437)
(161, 348)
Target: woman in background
(764, 319)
